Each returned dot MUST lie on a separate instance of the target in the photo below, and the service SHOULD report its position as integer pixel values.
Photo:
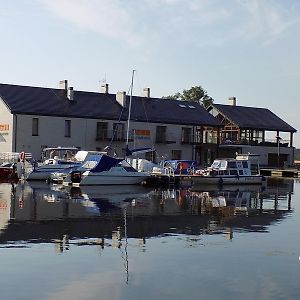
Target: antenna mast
(129, 109)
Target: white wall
(83, 135)
(264, 151)
(6, 136)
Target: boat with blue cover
(102, 169)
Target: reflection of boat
(54, 159)
(228, 187)
(149, 213)
(244, 169)
(108, 198)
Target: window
(245, 164)
(161, 134)
(102, 129)
(186, 134)
(231, 165)
(233, 172)
(118, 132)
(198, 135)
(176, 154)
(35, 126)
(151, 156)
(67, 128)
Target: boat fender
(75, 176)
(22, 156)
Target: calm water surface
(140, 243)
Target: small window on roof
(182, 105)
(191, 106)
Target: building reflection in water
(107, 216)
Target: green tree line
(194, 94)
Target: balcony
(266, 143)
(159, 141)
(114, 139)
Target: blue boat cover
(105, 162)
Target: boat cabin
(242, 165)
(54, 154)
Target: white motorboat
(103, 169)
(244, 169)
(54, 159)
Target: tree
(194, 94)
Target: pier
(286, 172)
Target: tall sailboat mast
(129, 109)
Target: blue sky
(244, 48)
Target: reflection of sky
(172, 267)
(176, 266)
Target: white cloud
(157, 21)
(264, 19)
(107, 17)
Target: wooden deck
(288, 172)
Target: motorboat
(12, 165)
(244, 169)
(102, 169)
(8, 172)
(54, 159)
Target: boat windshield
(219, 164)
(59, 153)
(216, 164)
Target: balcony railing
(266, 143)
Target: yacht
(244, 169)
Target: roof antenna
(104, 79)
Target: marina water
(133, 242)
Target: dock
(286, 172)
(159, 180)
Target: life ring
(22, 156)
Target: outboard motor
(75, 176)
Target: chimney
(146, 92)
(104, 88)
(70, 93)
(63, 84)
(121, 98)
(232, 101)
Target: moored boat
(54, 159)
(244, 169)
(102, 169)
(8, 172)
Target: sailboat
(103, 169)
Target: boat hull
(8, 174)
(44, 172)
(105, 179)
(230, 180)
(115, 176)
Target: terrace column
(291, 139)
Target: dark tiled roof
(53, 102)
(254, 118)
(171, 111)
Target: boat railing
(9, 157)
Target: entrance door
(277, 161)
